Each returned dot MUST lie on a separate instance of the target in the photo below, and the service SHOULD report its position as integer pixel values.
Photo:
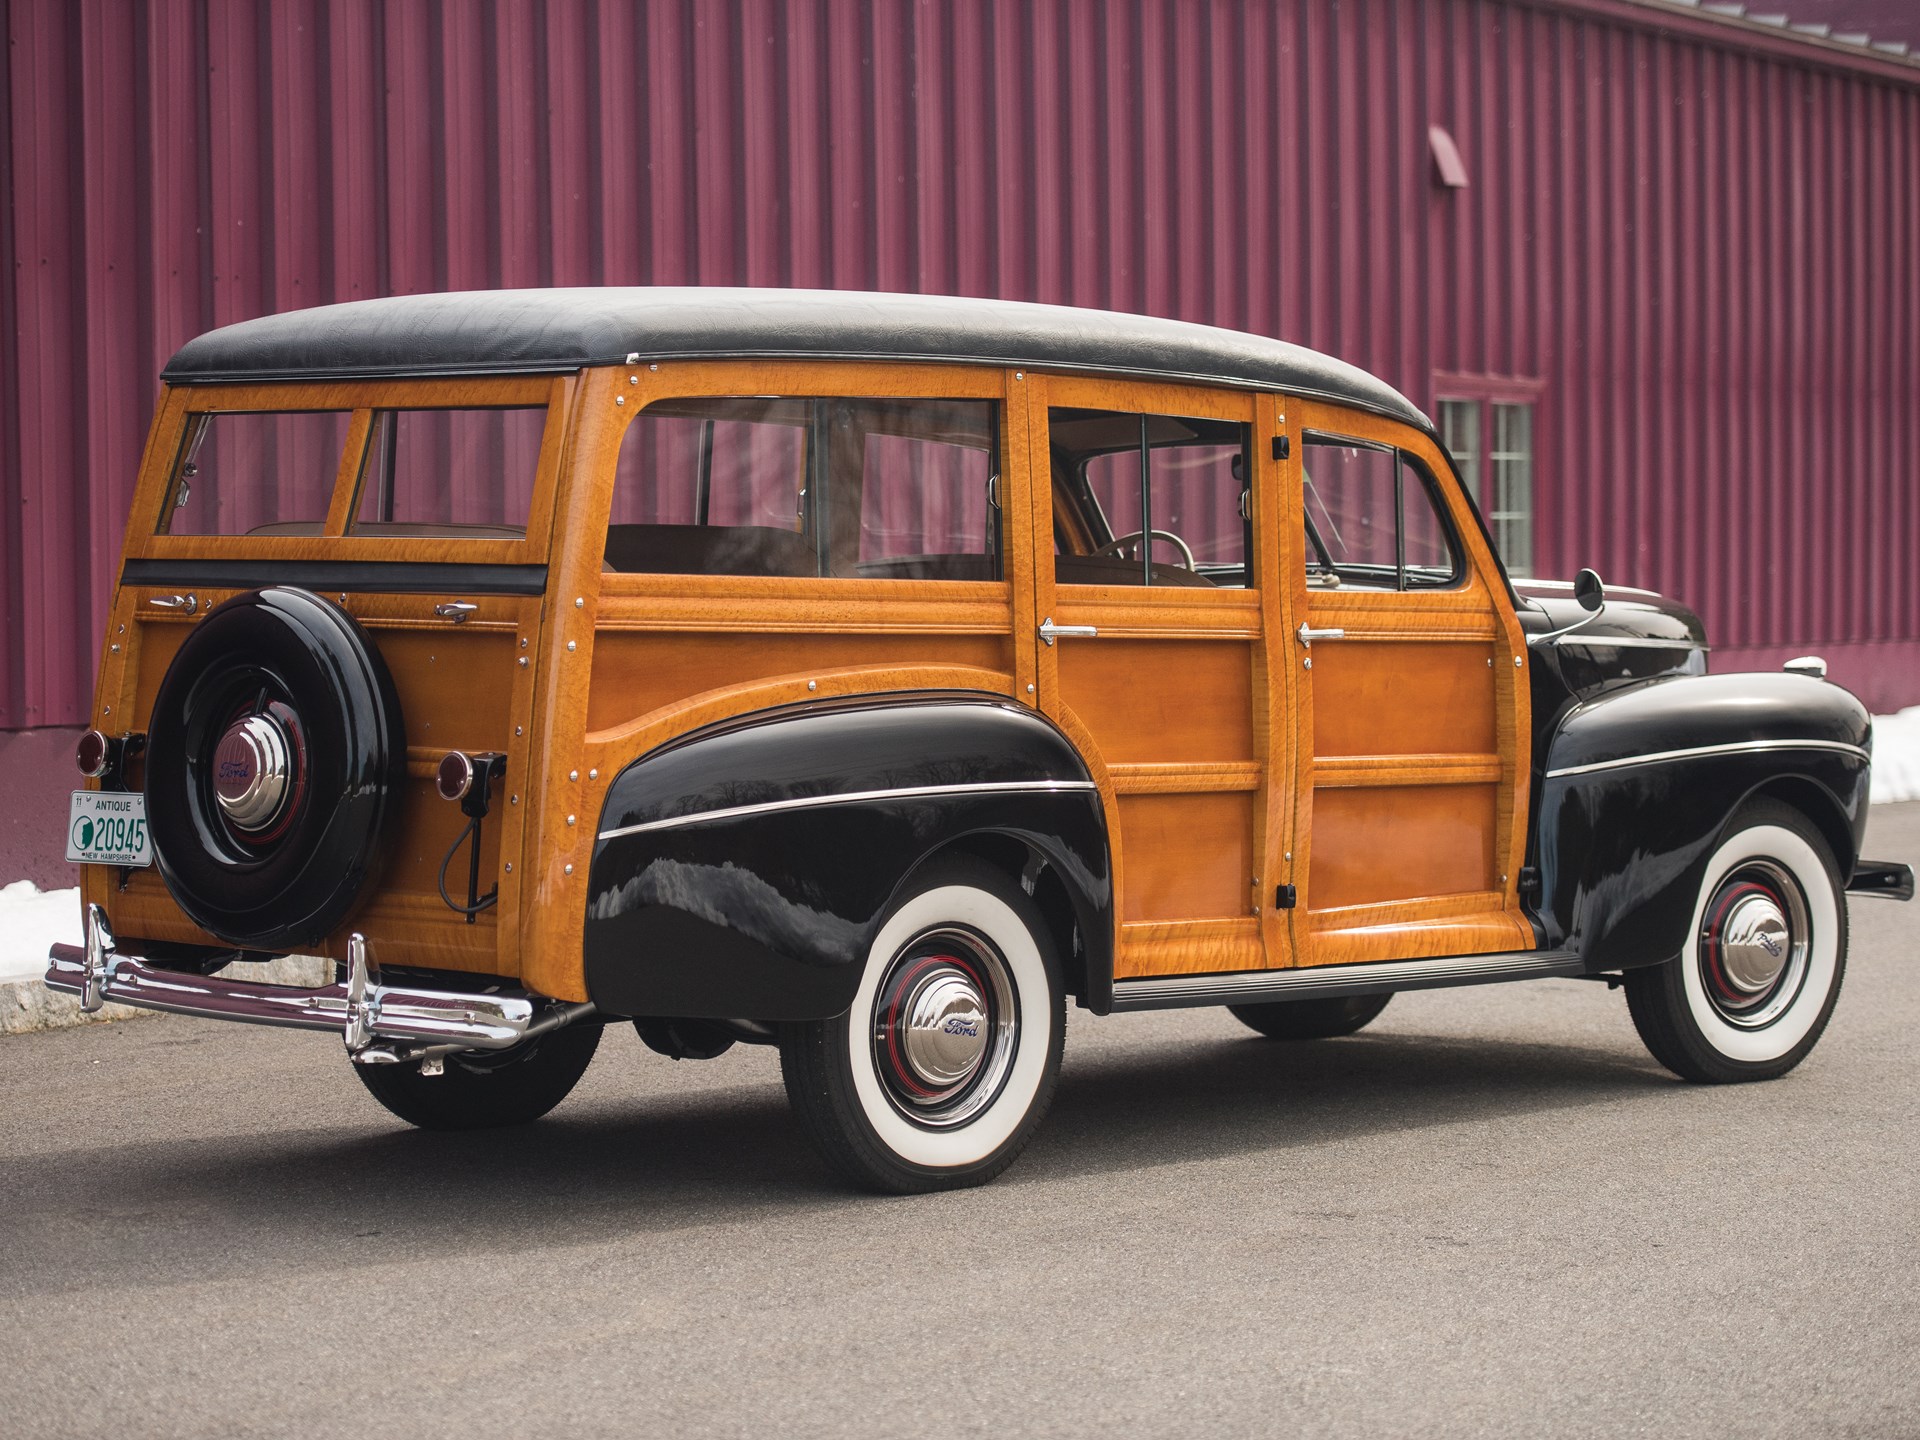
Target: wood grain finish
(1400, 696)
(1390, 842)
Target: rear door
(1158, 591)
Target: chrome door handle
(1050, 632)
(1306, 634)
(455, 610)
(185, 604)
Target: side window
(803, 486)
(1372, 519)
(1190, 476)
(256, 473)
(462, 474)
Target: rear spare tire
(276, 755)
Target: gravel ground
(1490, 1214)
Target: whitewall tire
(944, 1065)
(1750, 995)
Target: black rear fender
(743, 870)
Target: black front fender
(1640, 782)
(743, 870)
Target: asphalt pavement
(1491, 1214)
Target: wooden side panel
(1164, 701)
(1401, 696)
(1390, 842)
(1192, 855)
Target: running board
(1253, 987)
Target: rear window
(456, 473)
(245, 473)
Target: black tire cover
(307, 659)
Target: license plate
(108, 827)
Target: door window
(1372, 519)
(1189, 476)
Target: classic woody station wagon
(869, 675)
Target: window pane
(1431, 557)
(1512, 512)
(1460, 432)
(925, 477)
(1350, 508)
(244, 474)
(464, 474)
(1196, 478)
(727, 485)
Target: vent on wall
(1446, 158)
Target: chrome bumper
(380, 1024)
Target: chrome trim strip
(854, 797)
(1742, 747)
(1253, 986)
(1632, 642)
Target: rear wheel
(1752, 992)
(1311, 1019)
(487, 1089)
(942, 1069)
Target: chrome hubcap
(1754, 945)
(251, 769)
(944, 1026)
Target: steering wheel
(1120, 542)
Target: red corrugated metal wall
(1700, 237)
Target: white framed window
(1488, 425)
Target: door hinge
(1284, 897)
(1282, 447)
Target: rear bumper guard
(380, 1024)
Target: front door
(1155, 602)
(1416, 704)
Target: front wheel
(942, 1069)
(1752, 992)
(487, 1089)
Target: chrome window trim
(1742, 747)
(854, 797)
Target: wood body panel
(1393, 841)
(1397, 697)
(1191, 856)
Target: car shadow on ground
(619, 1164)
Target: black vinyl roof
(481, 332)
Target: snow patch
(31, 919)
(1896, 756)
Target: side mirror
(1591, 594)
(1590, 590)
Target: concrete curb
(27, 1005)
